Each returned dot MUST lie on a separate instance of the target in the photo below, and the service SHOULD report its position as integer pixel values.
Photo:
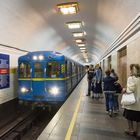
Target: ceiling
(34, 25)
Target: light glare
(79, 40)
(23, 90)
(68, 8)
(54, 90)
(34, 57)
(41, 57)
(74, 24)
(81, 45)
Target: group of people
(111, 88)
(97, 85)
(94, 77)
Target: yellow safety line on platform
(72, 123)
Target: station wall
(133, 53)
(7, 94)
(132, 46)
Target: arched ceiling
(34, 25)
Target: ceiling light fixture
(74, 24)
(82, 48)
(68, 8)
(87, 60)
(80, 40)
(79, 34)
(85, 57)
(81, 44)
(84, 51)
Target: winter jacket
(108, 83)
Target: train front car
(41, 78)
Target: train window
(24, 70)
(38, 70)
(53, 69)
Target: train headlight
(34, 57)
(54, 90)
(24, 90)
(41, 57)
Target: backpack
(118, 87)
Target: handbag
(128, 99)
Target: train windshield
(24, 70)
(38, 70)
(53, 69)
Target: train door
(68, 76)
(78, 73)
(38, 81)
(122, 66)
(103, 68)
(73, 74)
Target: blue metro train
(47, 77)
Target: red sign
(4, 71)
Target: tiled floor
(92, 122)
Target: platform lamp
(68, 8)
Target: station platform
(84, 118)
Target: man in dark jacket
(109, 90)
(90, 75)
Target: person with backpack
(118, 89)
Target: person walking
(132, 112)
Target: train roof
(46, 54)
(51, 55)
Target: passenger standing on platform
(116, 95)
(98, 82)
(132, 112)
(109, 91)
(90, 74)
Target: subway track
(27, 126)
(18, 126)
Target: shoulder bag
(128, 99)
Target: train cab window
(38, 70)
(24, 70)
(53, 69)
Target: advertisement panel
(4, 71)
